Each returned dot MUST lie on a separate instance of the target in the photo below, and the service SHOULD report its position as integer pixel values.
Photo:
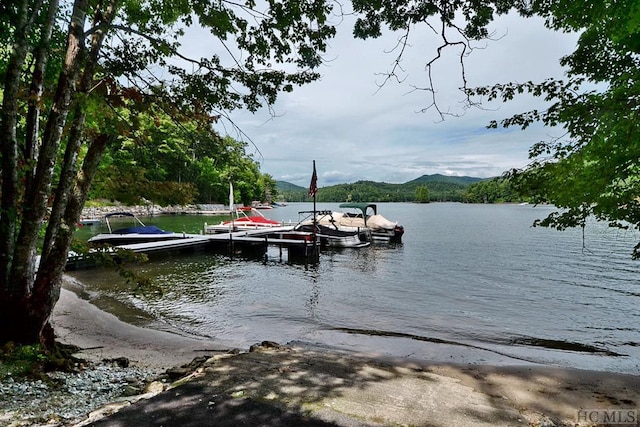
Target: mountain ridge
(464, 180)
(439, 188)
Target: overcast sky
(355, 130)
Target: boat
(245, 218)
(326, 229)
(138, 233)
(366, 215)
(332, 234)
(89, 222)
(261, 205)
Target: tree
(422, 194)
(592, 169)
(162, 150)
(455, 24)
(69, 68)
(496, 190)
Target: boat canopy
(127, 230)
(362, 206)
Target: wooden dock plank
(165, 244)
(273, 236)
(246, 239)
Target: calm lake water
(469, 283)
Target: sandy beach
(281, 385)
(103, 336)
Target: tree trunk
(27, 299)
(41, 56)
(74, 143)
(9, 146)
(37, 195)
(71, 193)
(49, 279)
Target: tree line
(436, 188)
(173, 163)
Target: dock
(282, 237)
(300, 246)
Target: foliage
(123, 185)
(442, 188)
(422, 194)
(429, 179)
(169, 162)
(593, 168)
(171, 193)
(496, 190)
(18, 361)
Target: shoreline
(102, 335)
(331, 385)
(98, 212)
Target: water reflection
(314, 294)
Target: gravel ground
(64, 399)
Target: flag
(313, 187)
(230, 196)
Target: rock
(178, 372)
(266, 345)
(154, 387)
(122, 362)
(184, 370)
(105, 411)
(197, 362)
(75, 394)
(131, 390)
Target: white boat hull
(382, 229)
(114, 239)
(338, 237)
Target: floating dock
(300, 246)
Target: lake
(469, 283)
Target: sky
(356, 130)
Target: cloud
(357, 130)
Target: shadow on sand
(279, 386)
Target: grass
(21, 360)
(31, 361)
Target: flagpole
(314, 197)
(313, 190)
(233, 225)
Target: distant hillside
(463, 180)
(441, 188)
(284, 186)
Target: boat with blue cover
(137, 233)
